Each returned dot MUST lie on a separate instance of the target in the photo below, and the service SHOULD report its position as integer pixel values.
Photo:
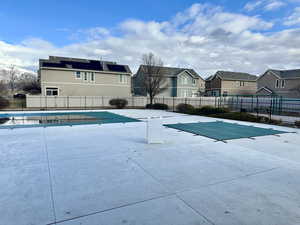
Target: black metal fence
(253, 104)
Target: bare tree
(11, 76)
(154, 81)
(3, 87)
(29, 83)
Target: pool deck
(108, 175)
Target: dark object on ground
(20, 96)
(119, 103)
(209, 110)
(185, 108)
(157, 106)
(3, 103)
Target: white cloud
(294, 18)
(266, 5)
(202, 37)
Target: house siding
(105, 84)
(234, 88)
(268, 80)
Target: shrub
(209, 110)
(157, 106)
(3, 120)
(237, 116)
(185, 108)
(297, 123)
(3, 103)
(119, 103)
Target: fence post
(270, 110)
(132, 101)
(102, 101)
(257, 107)
(241, 108)
(199, 101)
(46, 103)
(173, 104)
(215, 101)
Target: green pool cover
(22, 120)
(223, 131)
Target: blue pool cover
(223, 131)
(22, 120)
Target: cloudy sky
(236, 35)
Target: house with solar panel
(61, 76)
(285, 83)
(224, 83)
(179, 82)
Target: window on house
(77, 75)
(225, 93)
(92, 77)
(282, 83)
(51, 91)
(85, 77)
(123, 79)
(194, 81)
(242, 83)
(277, 84)
(185, 80)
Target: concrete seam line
(49, 174)
(110, 209)
(227, 181)
(196, 211)
(153, 177)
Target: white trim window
(185, 80)
(77, 75)
(85, 76)
(277, 83)
(51, 91)
(242, 83)
(123, 79)
(92, 76)
(282, 83)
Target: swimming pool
(22, 120)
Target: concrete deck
(108, 175)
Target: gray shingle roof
(287, 74)
(227, 75)
(174, 71)
(83, 64)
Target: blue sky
(198, 31)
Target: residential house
(284, 83)
(179, 82)
(61, 76)
(230, 83)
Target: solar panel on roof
(116, 68)
(93, 65)
(59, 65)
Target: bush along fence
(255, 104)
